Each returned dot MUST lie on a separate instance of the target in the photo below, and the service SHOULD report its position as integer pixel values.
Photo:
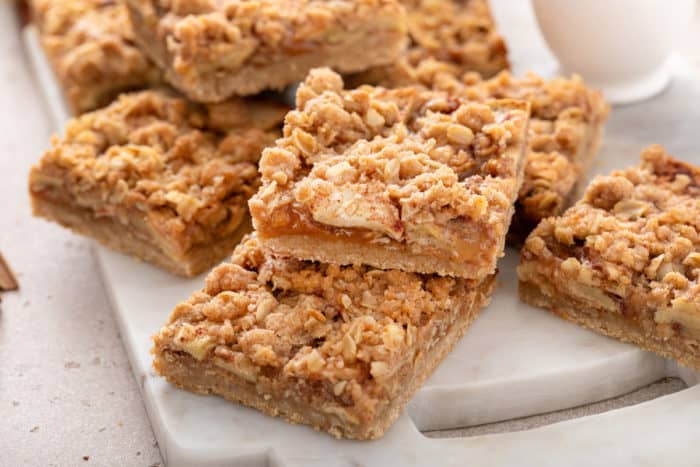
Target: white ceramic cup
(620, 46)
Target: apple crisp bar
(90, 46)
(565, 132)
(396, 179)
(340, 348)
(157, 177)
(461, 34)
(625, 260)
(211, 50)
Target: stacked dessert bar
(152, 173)
(379, 222)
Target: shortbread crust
(213, 50)
(90, 45)
(340, 348)
(157, 177)
(397, 179)
(625, 260)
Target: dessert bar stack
(379, 222)
(156, 175)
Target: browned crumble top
(399, 164)
(190, 169)
(204, 36)
(461, 34)
(342, 332)
(563, 112)
(636, 233)
(91, 47)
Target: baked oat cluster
(564, 133)
(459, 34)
(624, 260)
(403, 172)
(337, 341)
(152, 161)
(90, 44)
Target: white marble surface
(65, 384)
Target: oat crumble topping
(459, 32)
(91, 46)
(189, 169)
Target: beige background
(67, 395)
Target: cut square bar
(566, 128)
(90, 46)
(625, 260)
(157, 177)
(461, 34)
(340, 348)
(396, 179)
(212, 50)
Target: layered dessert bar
(91, 48)
(406, 179)
(340, 348)
(566, 128)
(461, 34)
(625, 260)
(157, 177)
(212, 50)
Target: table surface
(67, 394)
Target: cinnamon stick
(8, 281)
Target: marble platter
(515, 360)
